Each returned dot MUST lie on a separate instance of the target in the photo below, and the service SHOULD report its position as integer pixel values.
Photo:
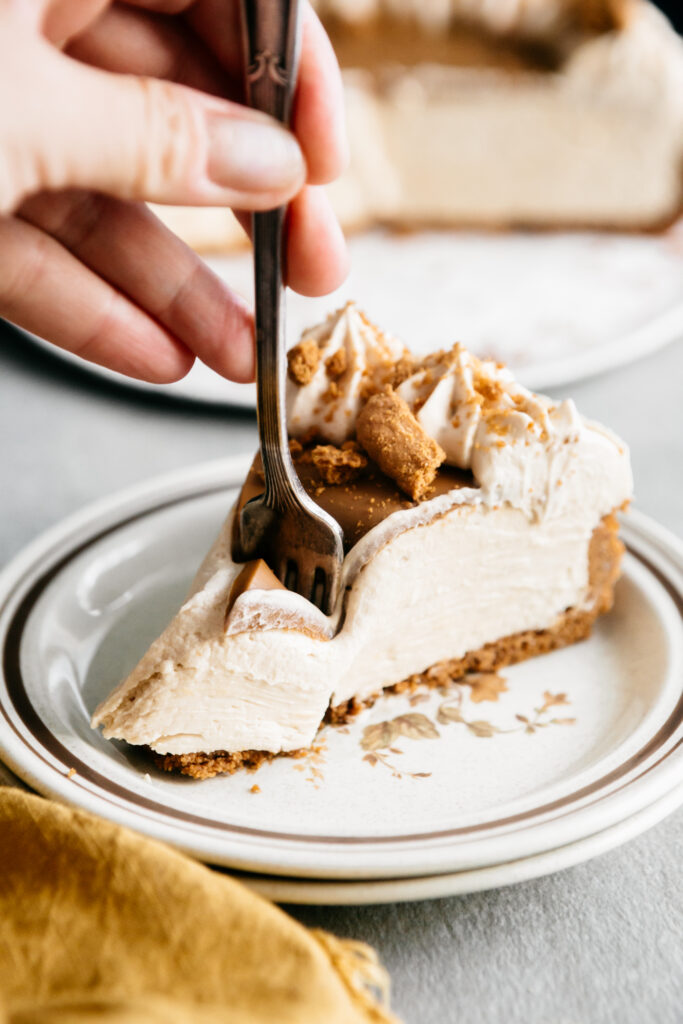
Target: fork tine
(292, 576)
(305, 582)
(319, 588)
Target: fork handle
(271, 39)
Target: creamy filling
(433, 593)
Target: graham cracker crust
(604, 560)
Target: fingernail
(251, 155)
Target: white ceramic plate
(403, 890)
(81, 604)
(556, 307)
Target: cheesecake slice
(479, 530)
(539, 113)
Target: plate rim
(183, 484)
(339, 892)
(663, 328)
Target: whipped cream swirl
(329, 404)
(519, 446)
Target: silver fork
(301, 543)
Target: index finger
(318, 116)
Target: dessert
(542, 113)
(479, 530)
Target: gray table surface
(598, 943)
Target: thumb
(149, 139)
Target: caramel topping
(357, 506)
(255, 575)
(303, 361)
(399, 444)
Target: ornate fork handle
(272, 47)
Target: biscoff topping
(336, 364)
(402, 369)
(334, 465)
(395, 440)
(303, 361)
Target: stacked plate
(425, 794)
(555, 307)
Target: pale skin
(108, 105)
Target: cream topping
(328, 404)
(518, 445)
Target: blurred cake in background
(500, 113)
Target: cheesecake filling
(592, 140)
(496, 542)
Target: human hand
(107, 105)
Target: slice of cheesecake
(479, 528)
(542, 113)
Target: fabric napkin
(98, 924)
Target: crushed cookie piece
(332, 393)
(303, 360)
(490, 390)
(255, 789)
(336, 364)
(336, 465)
(404, 368)
(397, 442)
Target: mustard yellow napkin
(99, 924)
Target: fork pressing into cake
(301, 543)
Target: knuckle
(21, 269)
(82, 216)
(71, 216)
(170, 139)
(91, 345)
